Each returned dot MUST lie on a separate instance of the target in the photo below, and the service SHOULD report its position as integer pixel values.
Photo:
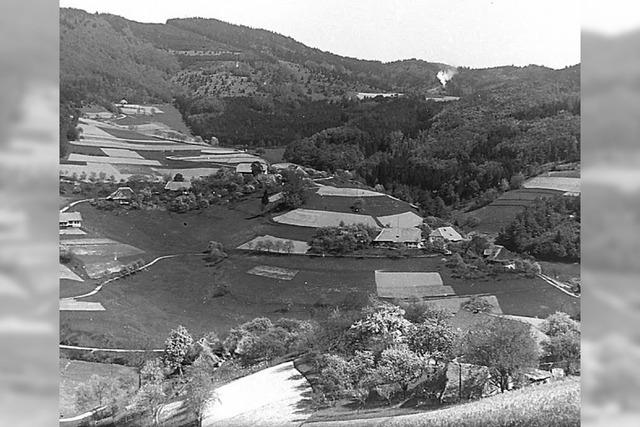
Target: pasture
(147, 305)
(381, 205)
(320, 218)
(553, 404)
(183, 291)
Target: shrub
(477, 304)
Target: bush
(477, 304)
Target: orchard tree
(559, 323)
(434, 338)
(101, 391)
(507, 347)
(400, 366)
(176, 347)
(563, 346)
(383, 325)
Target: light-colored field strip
(273, 272)
(410, 284)
(316, 218)
(119, 152)
(73, 305)
(271, 397)
(220, 151)
(299, 247)
(327, 190)
(112, 160)
(571, 185)
(223, 158)
(71, 232)
(403, 220)
(91, 241)
(120, 143)
(66, 273)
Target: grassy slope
(555, 404)
(502, 211)
(149, 304)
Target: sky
(475, 33)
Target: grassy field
(502, 211)
(376, 205)
(181, 290)
(75, 372)
(554, 404)
(170, 116)
(273, 155)
(560, 270)
(127, 134)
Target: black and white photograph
(322, 214)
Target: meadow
(553, 404)
(184, 290)
(502, 211)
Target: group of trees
(549, 229)
(380, 352)
(342, 239)
(386, 352)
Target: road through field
(113, 279)
(271, 397)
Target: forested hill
(257, 88)
(108, 54)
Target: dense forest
(549, 230)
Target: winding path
(113, 279)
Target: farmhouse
(409, 237)
(70, 219)
(122, 195)
(445, 234)
(498, 254)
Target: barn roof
(399, 235)
(403, 220)
(448, 233)
(177, 185)
(121, 193)
(243, 168)
(70, 216)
